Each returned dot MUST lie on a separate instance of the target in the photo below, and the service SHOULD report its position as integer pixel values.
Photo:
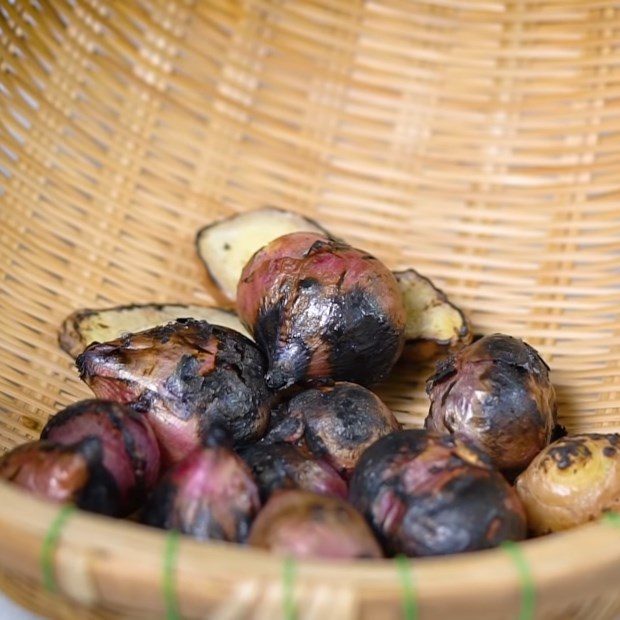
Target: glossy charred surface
(284, 466)
(210, 494)
(73, 473)
(427, 494)
(306, 525)
(130, 450)
(321, 309)
(497, 392)
(185, 376)
(572, 481)
(340, 422)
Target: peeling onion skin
(321, 309)
(184, 376)
(340, 421)
(64, 473)
(210, 495)
(284, 466)
(572, 481)
(426, 494)
(305, 525)
(497, 392)
(130, 450)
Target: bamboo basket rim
(102, 551)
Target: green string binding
(410, 603)
(50, 542)
(169, 582)
(528, 590)
(288, 584)
(613, 518)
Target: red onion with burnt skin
(64, 473)
(210, 494)
(497, 392)
(337, 423)
(321, 309)
(185, 377)
(306, 525)
(130, 450)
(284, 466)
(427, 494)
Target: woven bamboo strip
(478, 141)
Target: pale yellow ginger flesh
(430, 315)
(227, 245)
(85, 326)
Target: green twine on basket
(410, 603)
(528, 590)
(169, 582)
(613, 518)
(288, 584)
(50, 542)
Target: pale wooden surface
(476, 141)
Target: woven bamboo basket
(476, 140)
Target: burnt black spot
(284, 426)
(513, 351)
(364, 343)
(443, 369)
(609, 451)
(308, 283)
(100, 493)
(159, 508)
(559, 432)
(569, 450)
(226, 246)
(288, 364)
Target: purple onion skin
(497, 392)
(130, 450)
(284, 466)
(427, 494)
(210, 494)
(306, 525)
(64, 473)
(321, 309)
(186, 377)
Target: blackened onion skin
(185, 376)
(426, 494)
(321, 309)
(341, 421)
(284, 466)
(307, 525)
(64, 473)
(210, 494)
(130, 450)
(497, 392)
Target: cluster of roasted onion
(271, 436)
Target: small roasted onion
(306, 525)
(185, 377)
(321, 309)
(340, 422)
(497, 392)
(72, 473)
(284, 466)
(427, 494)
(572, 481)
(130, 450)
(210, 494)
